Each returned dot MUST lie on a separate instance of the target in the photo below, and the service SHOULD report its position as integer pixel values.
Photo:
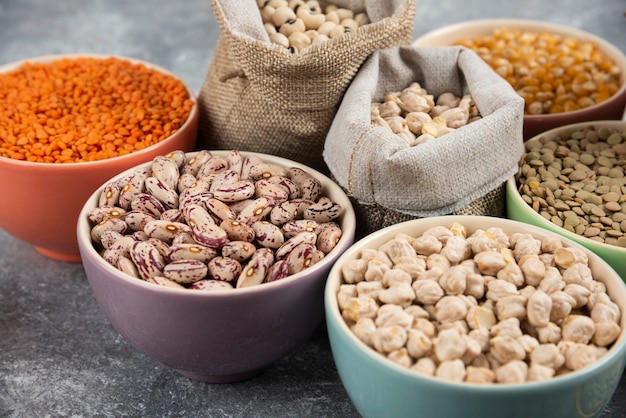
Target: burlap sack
(462, 172)
(259, 97)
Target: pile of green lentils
(576, 181)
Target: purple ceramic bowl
(216, 337)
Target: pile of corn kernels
(553, 73)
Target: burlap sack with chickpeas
(257, 96)
(461, 172)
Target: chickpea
(459, 311)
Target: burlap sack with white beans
(462, 172)
(259, 97)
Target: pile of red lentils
(87, 109)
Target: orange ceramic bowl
(41, 202)
(611, 109)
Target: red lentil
(87, 109)
(553, 73)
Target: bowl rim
(513, 193)
(46, 59)
(348, 227)
(489, 24)
(333, 314)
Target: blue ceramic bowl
(380, 388)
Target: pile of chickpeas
(553, 73)
(484, 306)
(418, 117)
(298, 24)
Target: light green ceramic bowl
(519, 210)
(380, 388)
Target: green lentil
(577, 181)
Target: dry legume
(553, 73)
(87, 109)
(576, 180)
(418, 117)
(216, 223)
(298, 24)
(481, 307)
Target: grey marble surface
(58, 354)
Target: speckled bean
(254, 271)
(237, 231)
(137, 220)
(267, 234)
(110, 224)
(303, 256)
(219, 209)
(328, 237)
(304, 237)
(238, 250)
(210, 285)
(191, 251)
(271, 191)
(283, 213)
(294, 227)
(323, 211)
(168, 222)
(119, 248)
(147, 203)
(109, 196)
(185, 271)
(166, 170)
(224, 268)
(165, 230)
(132, 188)
(234, 192)
(103, 213)
(147, 259)
(255, 211)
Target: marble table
(59, 356)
